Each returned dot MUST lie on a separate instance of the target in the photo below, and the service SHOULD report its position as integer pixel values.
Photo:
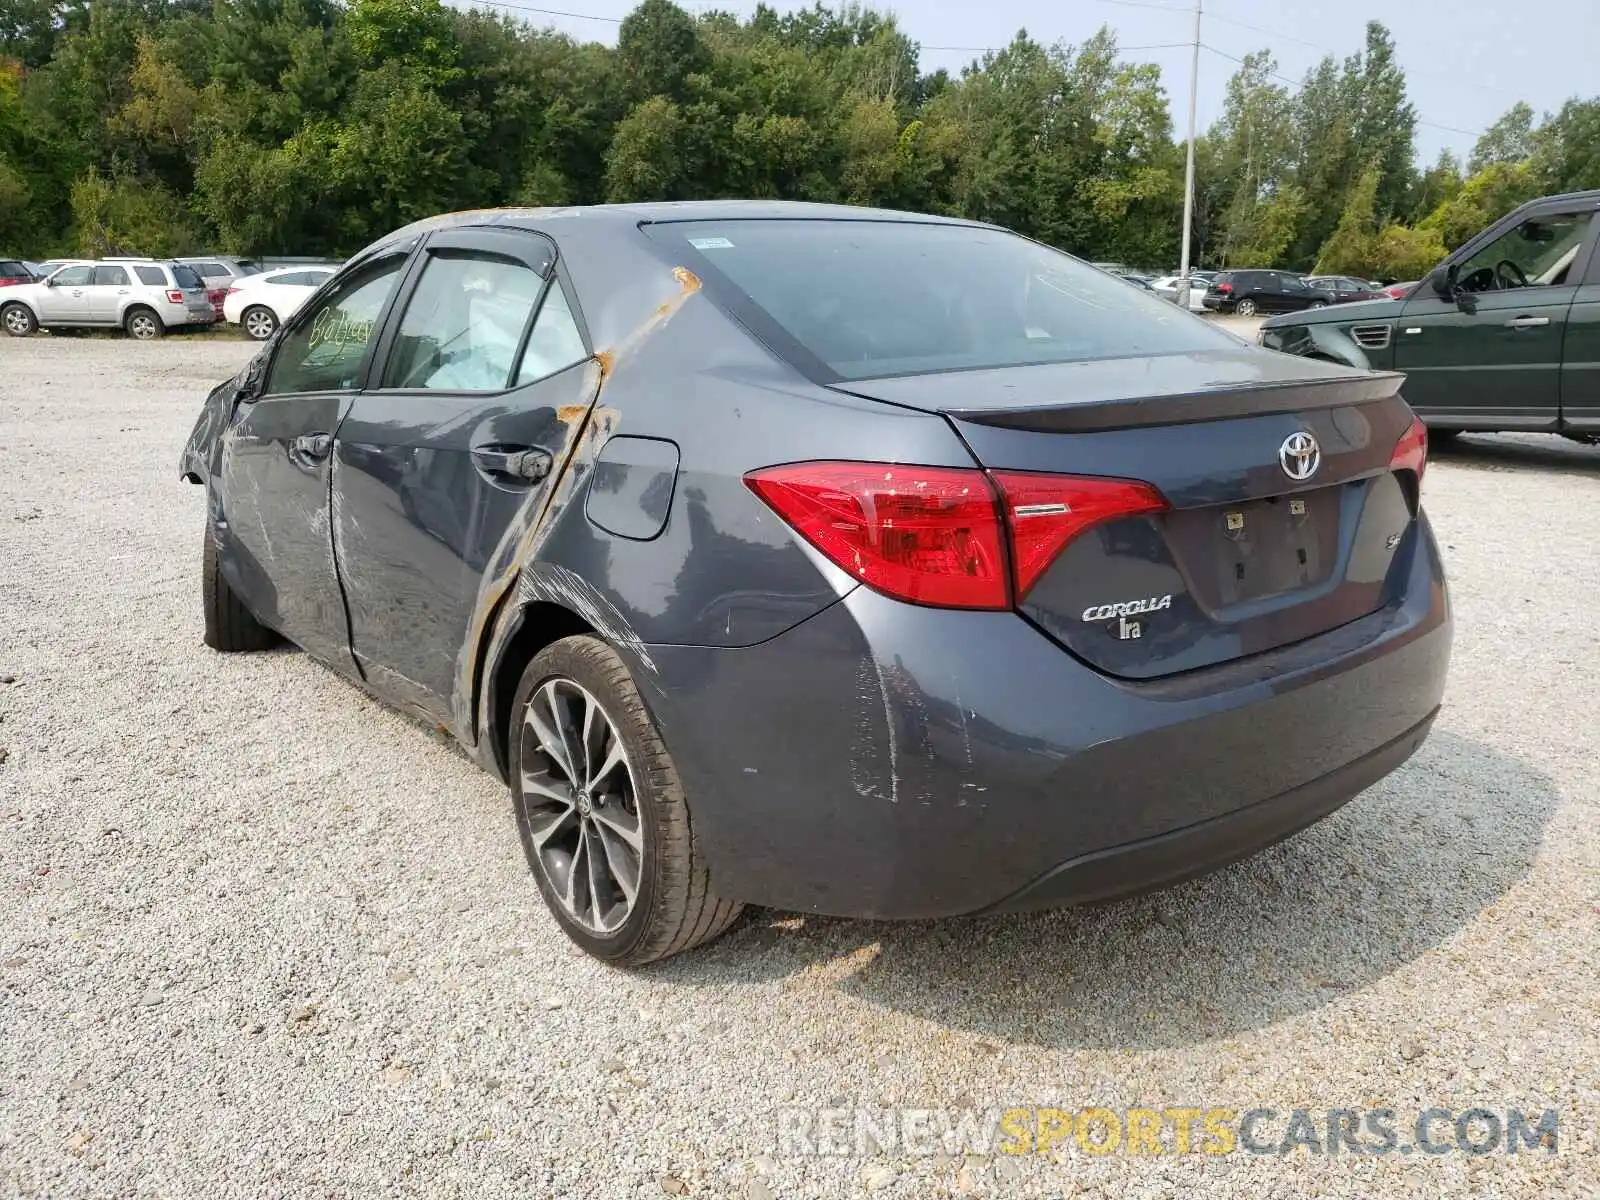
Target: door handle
(522, 464)
(313, 447)
(1527, 322)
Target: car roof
(630, 215)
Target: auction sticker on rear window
(711, 243)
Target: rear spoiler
(1189, 407)
(1125, 393)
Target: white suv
(142, 296)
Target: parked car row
(148, 297)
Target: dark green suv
(1502, 335)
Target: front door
(1491, 358)
(274, 539)
(451, 450)
(1580, 354)
(66, 300)
(107, 289)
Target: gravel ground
(259, 935)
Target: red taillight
(175, 296)
(1224, 288)
(9, 282)
(930, 535)
(1047, 511)
(1411, 451)
(939, 535)
(230, 291)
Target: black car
(1345, 289)
(841, 561)
(14, 271)
(1250, 292)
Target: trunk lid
(1248, 558)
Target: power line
(1297, 85)
(997, 49)
(550, 12)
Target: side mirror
(254, 375)
(1443, 281)
(49, 281)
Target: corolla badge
(1128, 608)
(1300, 456)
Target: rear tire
(1245, 308)
(143, 324)
(258, 322)
(229, 626)
(1318, 304)
(18, 320)
(591, 836)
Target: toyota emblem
(1300, 456)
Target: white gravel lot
(260, 936)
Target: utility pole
(1188, 175)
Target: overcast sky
(1466, 61)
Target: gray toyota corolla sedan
(841, 561)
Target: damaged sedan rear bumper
(889, 761)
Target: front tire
(602, 815)
(1318, 304)
(1245, 308)
(229, 626)
(18, 320)
(259, 322)
(143, 325)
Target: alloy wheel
(142, 326)
(1247, 308)
(259, 324)
(18, 324)
(581, 805)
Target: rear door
(484, 382)
(108, 289)
(273, 535)
(1491, 359)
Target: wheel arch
(528, 628)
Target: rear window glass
(878, 298)
(185, 277)
(151, 275)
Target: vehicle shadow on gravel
(1343, 904)
(1495, 451)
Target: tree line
(313, 126)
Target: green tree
(647, 159)
(1352, 248)
(1566, 148)
(1509, 140)
(658, 48)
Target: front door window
(1537, 253)
(325, 352)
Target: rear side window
(110, 277)
(866, 299)
(185, 277)
(10, 267)
(153, 276)
(246, 266)
(209, 270)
